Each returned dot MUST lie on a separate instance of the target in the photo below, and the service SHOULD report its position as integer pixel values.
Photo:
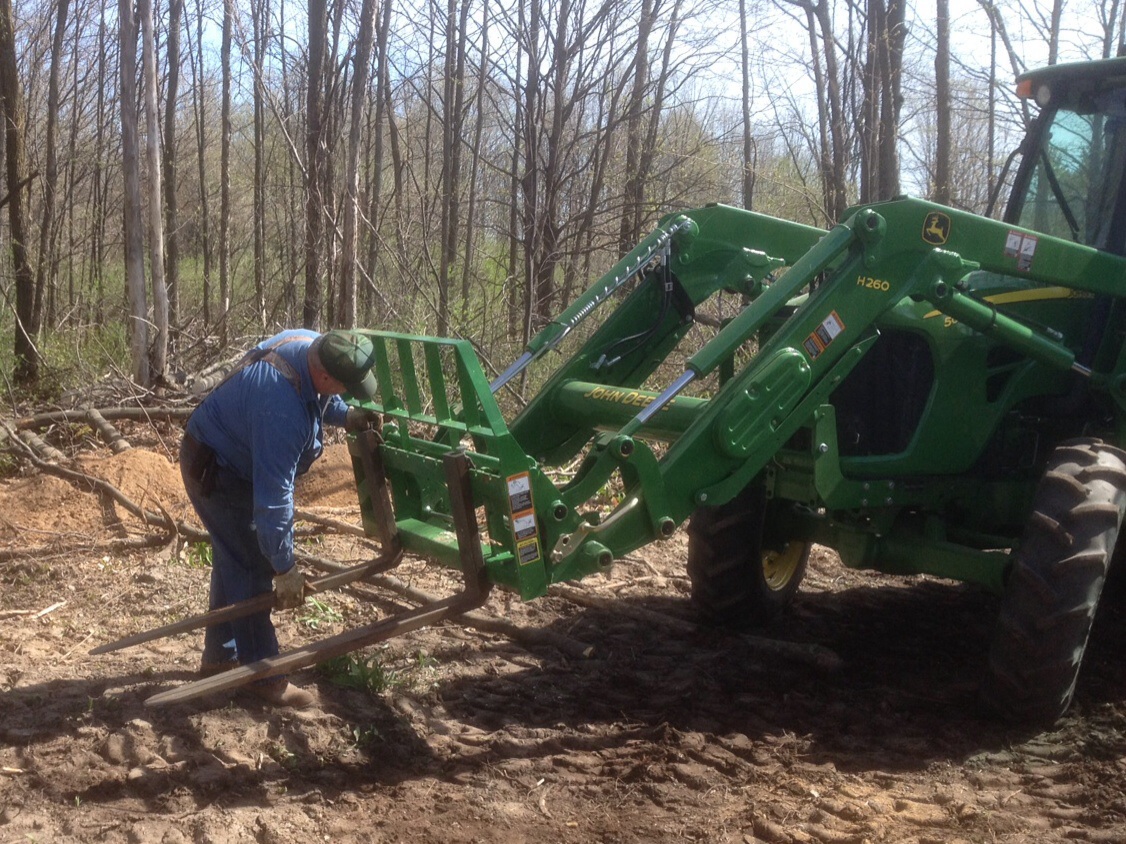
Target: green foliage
(282, 755)
(72, 359)
(197, 555)
(358, 671)
(317, 614)
(366, 737)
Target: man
(244, 446)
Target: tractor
(920, 389)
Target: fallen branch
(138, 414)
(325, 521)
(152, 540)
(41, 447)
(58, 605)
(110, 434)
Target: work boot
(280, 692)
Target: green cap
(348, 357)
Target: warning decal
(520, 493)
(528, 552)
(823, 335)
(1022, 247)
(523, 512)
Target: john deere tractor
(919, 388)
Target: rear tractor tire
(738, 579)
(1053, 587)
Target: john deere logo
(936, 228)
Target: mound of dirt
(330, 483)
(41, 509)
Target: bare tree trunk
(27, 357)
(833, 153)
(530, 180)
(633, 185)
(225, 181)
(517, 325)
(101, 175)
(891, 97)
(134, 220)
(201, 161)
(656, 110)
(749, 163)
(942, 103)
(1109, 22)
(259, 12)
(48, 247)
(156, 209)
(1054, 32)
(452, 126)
(314, 165)
(382, 99)
(478, 130)
(346, 310)
(171, 200)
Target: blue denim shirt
(267, 430)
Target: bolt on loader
(921, 389)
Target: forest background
(184, 178)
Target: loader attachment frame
(816, 300)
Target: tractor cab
(1070, 181)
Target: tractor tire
(1053, 587)
(736, 582)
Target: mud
(862, 727)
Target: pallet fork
(476, 586)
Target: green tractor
(921, 389)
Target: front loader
(919, 388)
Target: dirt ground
(860, 727)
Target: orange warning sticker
(823, 335)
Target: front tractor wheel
(1055, 582)
(738, 579)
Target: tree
(941, 191)
(314, 165)
(346, 311)
(749, 150)
(11, 100)
(156, 209)
(45, 272)
(171, 197)
(131, 172)
(225, 179)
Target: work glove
(362, 419)
(289, 589)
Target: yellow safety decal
(823, 335)
(936, 228)
(528, 551)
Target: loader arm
(815, 300)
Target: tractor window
(1074, 185)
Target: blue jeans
(239, 569)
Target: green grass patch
(198, 555)
(316, 615)
(365, 673)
